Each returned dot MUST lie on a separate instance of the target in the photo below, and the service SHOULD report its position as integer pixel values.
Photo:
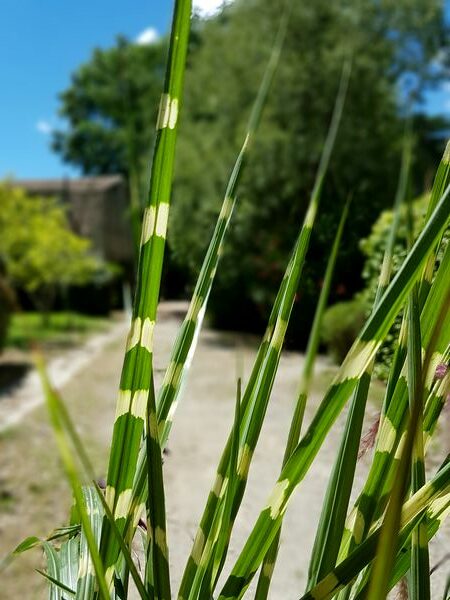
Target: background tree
(393, 44)
(398, 46)
(110, 108)
(38, 251)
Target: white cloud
(44, 127)
(207, 8)
(147, 37)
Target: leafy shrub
(341, 324)
(38, 251)
(373, 249)
(374, 245)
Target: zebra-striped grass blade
(441, 181)
(417, 373)
(371, 501)
(428, 501)
(86, 583)
(386, 460)
(213, 505)
(137, 368)
(359, 357)
(185, 344)
(433, 519)
(420, 562)
(337, 497)
(216, 545)
(268, 564)
(56, 586)
(226, 520)
(76, 568)
(53, 571)
(143, 593)
(157, 576)
(334, 509)
(391, 419)
(68, 559)
(436, 400)
(258, 389)
(387, 545)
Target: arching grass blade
(137, 368)
(268, 564)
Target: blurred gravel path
(33, 493)
(23, 399)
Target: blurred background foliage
(373, 249)
(7, 305)
(39, 253)
(399, 49)
(111, 109)
(343, 320)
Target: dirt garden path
(34, 496)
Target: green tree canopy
(393, 44)
(111, 108)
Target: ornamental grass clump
(362, 549)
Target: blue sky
(43, 41)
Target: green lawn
(62, 328)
